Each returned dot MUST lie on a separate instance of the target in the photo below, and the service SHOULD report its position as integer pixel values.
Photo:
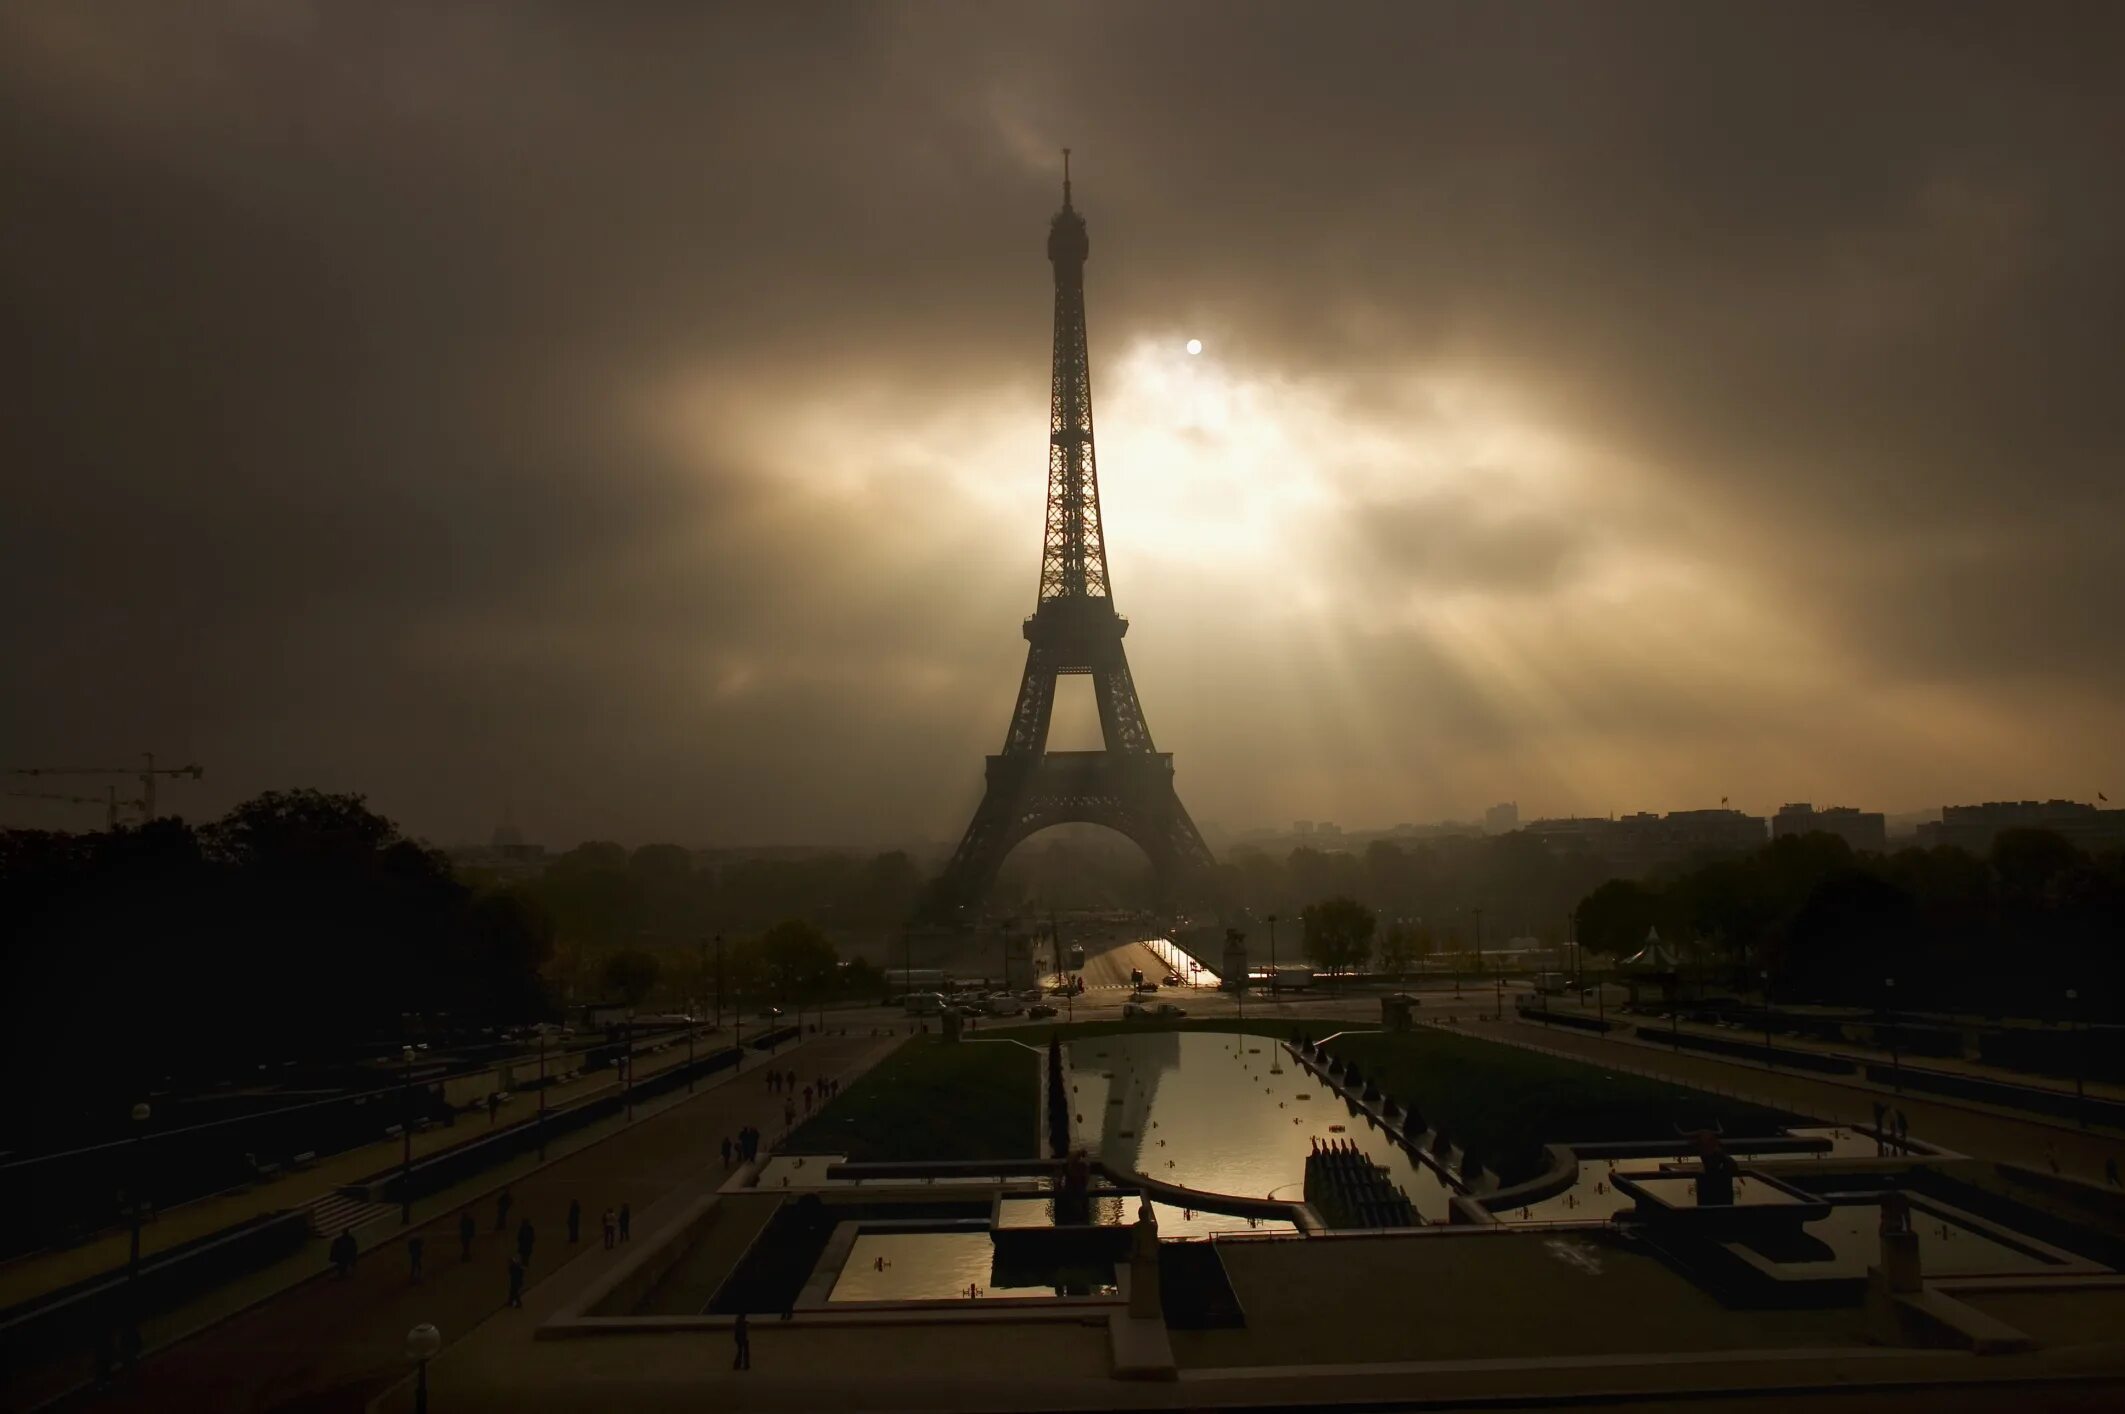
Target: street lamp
(719, 986)
(1272, 957)
(422, 1342)
(1770, 1057)
(627, 1066)
(2080, 1057)
(405, 1114)
(1896, 1065)
(542, 1091)
(141, 1113)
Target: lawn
(933, 1100)
(1503, 1103)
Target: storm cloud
(632, 417)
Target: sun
(1195, 346)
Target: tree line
(299, 927)
(2010, 932)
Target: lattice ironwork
(1074, 629)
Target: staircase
(334, 1212)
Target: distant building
(1862, 829)
(1640, 843)
(1502, 819)
(1328, 830)
(1975, 827)
(1302, 827)
(505, 855)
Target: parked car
(1141, 1011)
(1040, 1009)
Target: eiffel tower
(1074, 629)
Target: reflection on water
(1680, 1191)
(1221, 1113)
(1118, 1210)
(1946, 1248)
(943, 1266)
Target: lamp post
(542, 1092)
(422, 1342)
(405, 1167)
(2080, 1057)
(1896, 1064)
(1770, 1057)
(719, 985)
(1272, 957)
(141, 1112)
(627, 1066)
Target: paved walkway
(27, 1277)
(1852, 1050)
(330, 1344)
(1981, 1132)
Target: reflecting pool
(945, 1266)
(1222, 1113)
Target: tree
(799, 960)
(632, 973)
(1398, 948)
(1615, 918)
(1337, 932)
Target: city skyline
(1564, 425)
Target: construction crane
(111, 802)
(147, 774)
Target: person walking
(466, 1227)
(627, 1221)
(789, 1114)
(1881, 1119)
(726, 1155)
(526, 1235)
(416, 1246)
(516, 1282)
(575, 1220)
(807, 1099)
(1903, 1133)
(503, 1202)
(612, 1229)
(344, 1251)
(742, 1336)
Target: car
(1173, 979)
(1164, 1011)
(1147, 985)
(1040, 1009)
(1167, 1011)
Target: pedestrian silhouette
(415, 1246)
(503, 1202)
(575, 1219)
(344, 1251)
(627, 1218)
(466, 1227)
(612, 1229)
(516, 1282)
(525, 1237)
(741, 1335)
(726, 1153)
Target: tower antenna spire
(1066, 176)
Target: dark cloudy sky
(633, 415)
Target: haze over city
(629, 422)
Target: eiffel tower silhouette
(1074, 629)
